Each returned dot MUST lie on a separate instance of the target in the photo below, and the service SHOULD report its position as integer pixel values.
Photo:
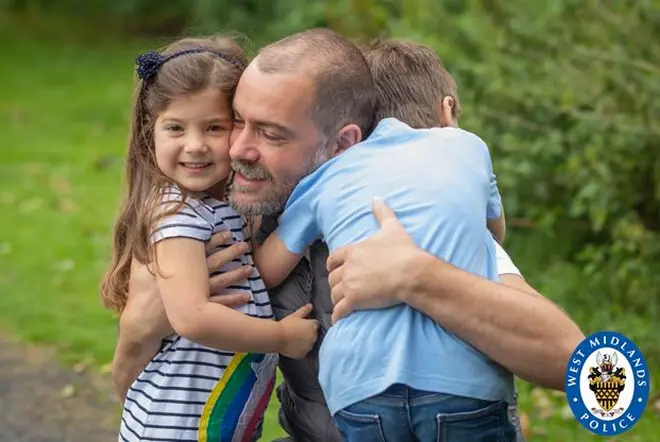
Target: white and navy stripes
(167, 400)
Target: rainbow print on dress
(239, 399)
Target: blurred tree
(564, 91)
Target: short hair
(344, 88)
(411, 81)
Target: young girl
(211, 380)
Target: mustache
(251, 171)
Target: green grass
(64, 105)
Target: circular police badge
(607, 383)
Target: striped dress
(193, 393)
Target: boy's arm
(497, 226)
(495, 220)
(274, 260)
(296, 230)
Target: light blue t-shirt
(441, 185)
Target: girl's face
(192, 141)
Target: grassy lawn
(64, 105)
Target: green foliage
(563, 92)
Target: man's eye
(272, 137)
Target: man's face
(274, 141)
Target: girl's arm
(274, 260)
(184, 286)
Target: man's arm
(511, 323)
(132, 354)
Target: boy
(376, 364)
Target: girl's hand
(298, 333)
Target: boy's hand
(298, 333)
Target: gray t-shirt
(303, 412)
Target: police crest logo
(607, 383)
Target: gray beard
(269, 207)
(275, 205)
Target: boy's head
(413, 85)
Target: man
(298, 100)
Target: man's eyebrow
(269, 125)
(265, 124)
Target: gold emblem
(607, 382)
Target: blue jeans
(403, 414)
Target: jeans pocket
(359, 427)
(487, 424)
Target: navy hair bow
(149, 62)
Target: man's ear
(346, 137)
(447, 112)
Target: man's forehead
(273, 93)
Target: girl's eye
(174, 128)
(216, 128)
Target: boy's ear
(346, 137)
(447, 112)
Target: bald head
(344, 90)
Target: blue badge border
(636, 408)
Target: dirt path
(41, 401)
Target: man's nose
(243, 147)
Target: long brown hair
(182, 75)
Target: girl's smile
(192, 140)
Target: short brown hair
(411, 81)
(345, 91)
(183, 75)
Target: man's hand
(221, 257)
(374, 272)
